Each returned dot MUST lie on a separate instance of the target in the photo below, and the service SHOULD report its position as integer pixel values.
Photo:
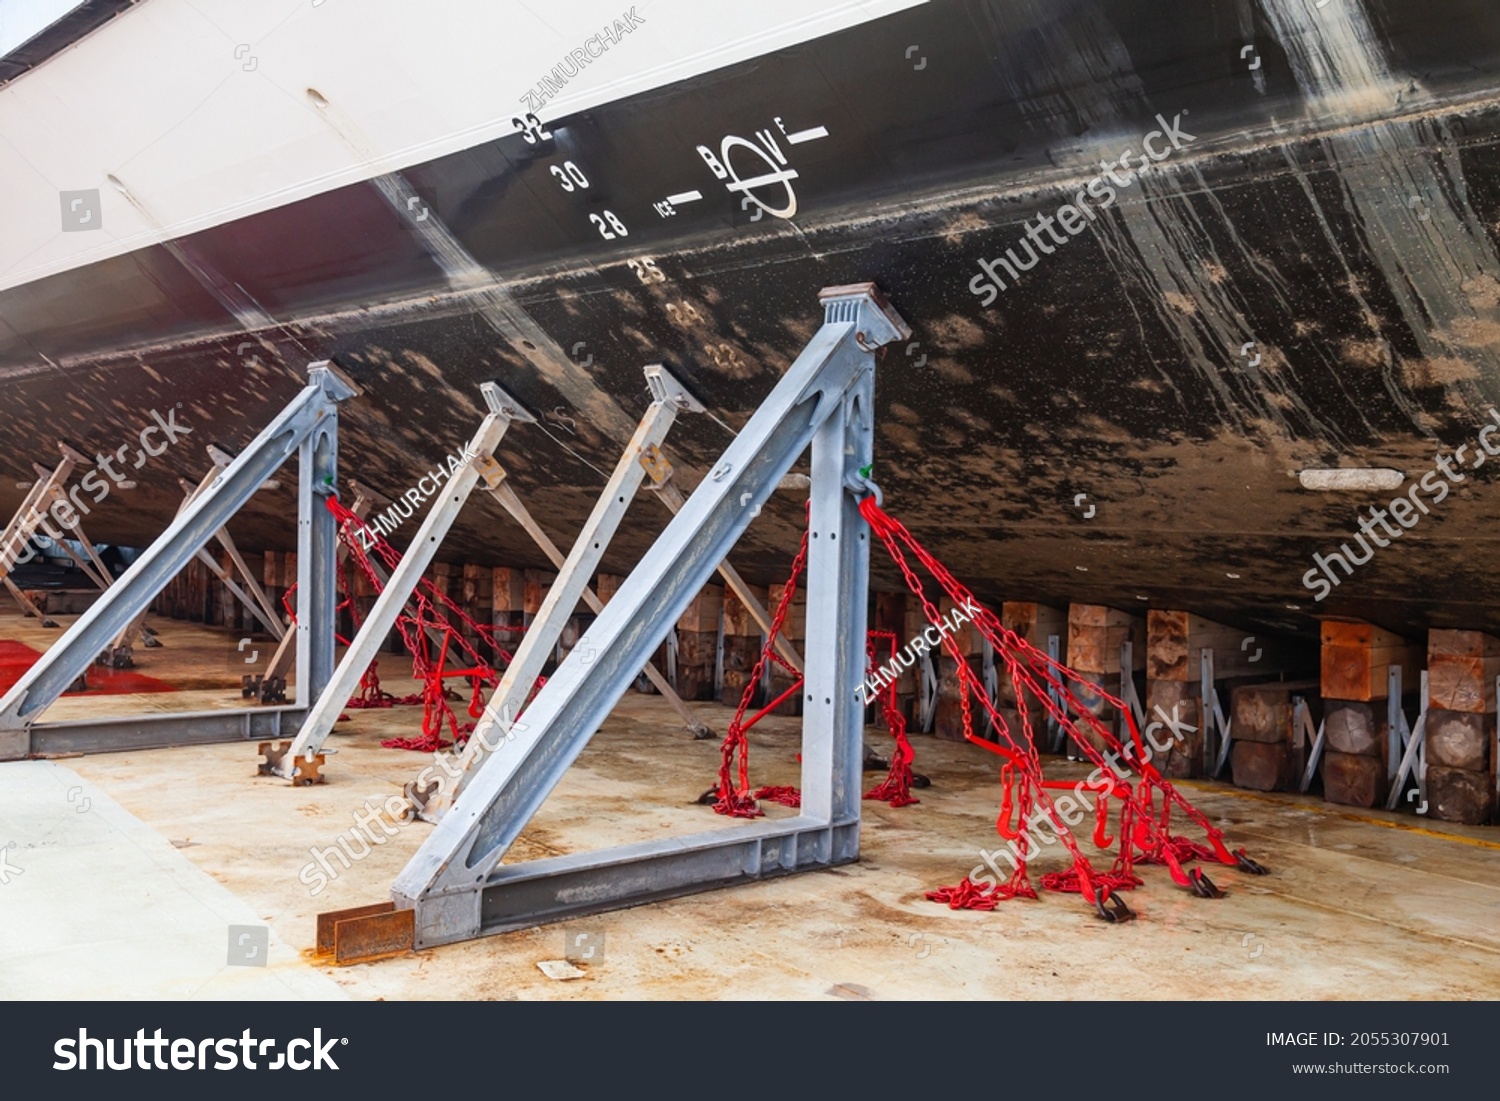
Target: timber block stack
(1356, 661)
(1175, 641)
(1265, 754)
(698, 644)
(280, 577)
(1035, 623)
(1461, 751)
(1095, 635)
(507, 604)
(440, 576)
(474, 598)
(226, 606)
(949, 720)
(742, 645)
(1174, 684)
(535, 584)
(913, 623)
(364, 597)
(794, 627)
(607, 585)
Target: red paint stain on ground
(17, 657)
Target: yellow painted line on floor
(1324, 808)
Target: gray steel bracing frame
(455, 882)
(28, 518)
(574, 571)
(309, 426)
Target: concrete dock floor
(133, 896)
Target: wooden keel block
(965, 637)
(888, 613)
(1186, 758)
(1460, 795)
(1261, 766)
(1354, 728)
(535, 584)
(1091, 697)
(737, 618)
(702, 615)
(608, 585)
(1015, 736)
(1177, 700)
(507, 590)
(1461, 670)
(1175, 705)
(741, 652)
(1262, 713)
(794, 626)
(1353, 781)
(1460, 739)
(1035, 623)
(1175, 642)
(949, 721)
(1357, 657)
(1095, 635)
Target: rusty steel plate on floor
(329, 921)
(358, 940)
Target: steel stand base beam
(308, 425)
(524, 895)
(824, 400)
(160, 731)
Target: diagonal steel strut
(641, 454)
(403, 581)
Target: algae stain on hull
(1403, 183)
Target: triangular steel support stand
(455, 882)
(308, 426)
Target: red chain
(736, 799)
(896, 787)
(1033, 672)
(428, 612)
